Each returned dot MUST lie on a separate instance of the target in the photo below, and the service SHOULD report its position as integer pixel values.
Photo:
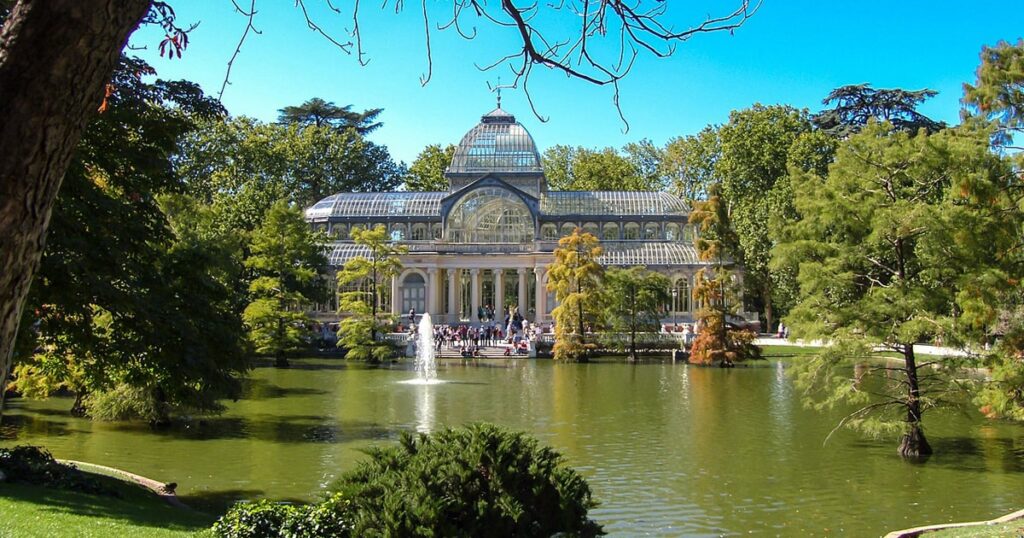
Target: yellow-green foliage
(575, 277)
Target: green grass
(29, 511)
(1013, 529)
(787, 352)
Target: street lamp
(675, 297)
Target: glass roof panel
(611, 203)
(378, 204)
(497, 144)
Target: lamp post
(675, 297)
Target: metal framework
(587, 203)
(625, 254)
(497, 144)
(378, 204)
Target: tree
(715, 288)
(905, 241)
(320, 113)
(581, 169)
(998, 93)
(360, 283)
(857, 104)
(635, 300)
(575, 276)
(91, 304)
(755, 181)
(427, 172)
(287, 257)
(55, 57)
(689, 163)
(245, 166)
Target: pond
(668, 449)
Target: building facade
(486, 242)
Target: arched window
(631, 231)
(672, 232)
(567, 229)
(688, 234)
(652, 230)
(548, 232)
(610, 232)
(681, 295)
(419, 232)
(398, 232)
(339, 230)
(435, 230)
(490, 215)
(591, 228)
(414, 293)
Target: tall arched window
(567, 229)
(591, 228)
(398, 232)
(672, 232)
(435, 230)
(652, 230)
(414, 293)
(681, 295)
(549, 232)
(419, 232)
(610, 232)
(490, 215)
(631, 231)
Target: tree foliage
(480, 480)
(320, 113)
(715, 288)
(634, 301)
(243, 166)
(576, 277)
(690, 162)
(286, 258)
(998, 93)
(905, 241)
(857, 104)
(427, 172)
(361, 284)
(637, 168)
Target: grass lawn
(30, 511)
(1012, 529)
(787, 352)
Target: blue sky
(791, 52)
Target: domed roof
(497, 144)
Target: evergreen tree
(715, 288)
(320, 113)
(857, 104)
(287, 257)
(905, 241)
(362, 281)
(634, 300)
(998, 93)
(575, 276)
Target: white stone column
(499, 293)
(522, 291)
(453, 287)
(396, 298)
(474, 293)
(433, 289)
(542, 294)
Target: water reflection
(425, 409)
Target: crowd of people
(516, 334)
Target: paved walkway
(918, 348)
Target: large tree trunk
(913, 444)
(55, 58)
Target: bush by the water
(35, 465)
(480, 480)
(475, 481)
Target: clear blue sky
(791, 52)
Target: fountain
(426, 363)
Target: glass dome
(497, 144)
(490, 215)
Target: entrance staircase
(497, 351)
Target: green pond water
(668, 449)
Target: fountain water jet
(426, 362)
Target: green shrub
(331, 518)
(35, 465)
(259, 519)
(476, 481)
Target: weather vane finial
(499, 92)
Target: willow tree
(716, 289)
(575, 276)
(905, 241)
(363, 279)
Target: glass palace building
(488, 240)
